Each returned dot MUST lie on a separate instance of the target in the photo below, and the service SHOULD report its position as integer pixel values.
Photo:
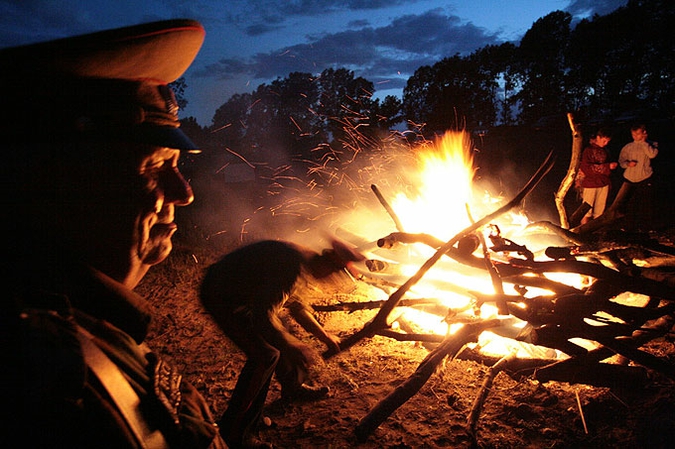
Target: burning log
(450, 346)
(380, 320)
(620, 282)
(430, 305)
(508, 273)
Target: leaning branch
(577, 145)
(450, 346)
(472, 420)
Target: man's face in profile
(126, 219)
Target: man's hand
(332, 343)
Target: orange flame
(444, 194)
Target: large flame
(443, 201)
(444, 180)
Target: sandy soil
(517, 413)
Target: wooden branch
(568, 180)
(640, 357)
(380, 320)
(367, 305)
(566, 234)
(509, 273)
(606, 375)
(450, 346)
(400, 336)
(387, 207)
(517, 368)
(472, 420)
(618, 280)
(496, 279)
(574, 368)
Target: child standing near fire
(244, 292)
(635, 158)
(595, 170)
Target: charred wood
(608, 375)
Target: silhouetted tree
(344, 102)
(387, 113)
(454, 93)
(542, 67)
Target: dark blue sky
(249, 42)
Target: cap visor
(163, 136)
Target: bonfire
(471, 276)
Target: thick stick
(497, 284)
(380, 320)
(472, 420)
(367, 305)
(450, 346)
(568, 180)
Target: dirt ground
(518, 412)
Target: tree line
(601, 68)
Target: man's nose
(176, 188)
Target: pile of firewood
(615, 262)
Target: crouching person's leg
(239, 423)
(292, 376)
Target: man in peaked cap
(91, 147)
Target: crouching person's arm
(303, 315)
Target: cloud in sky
(402, 46)
(254, 41)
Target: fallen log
(606, 375)
(449, 347)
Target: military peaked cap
(110, 85)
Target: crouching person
(244, 292)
